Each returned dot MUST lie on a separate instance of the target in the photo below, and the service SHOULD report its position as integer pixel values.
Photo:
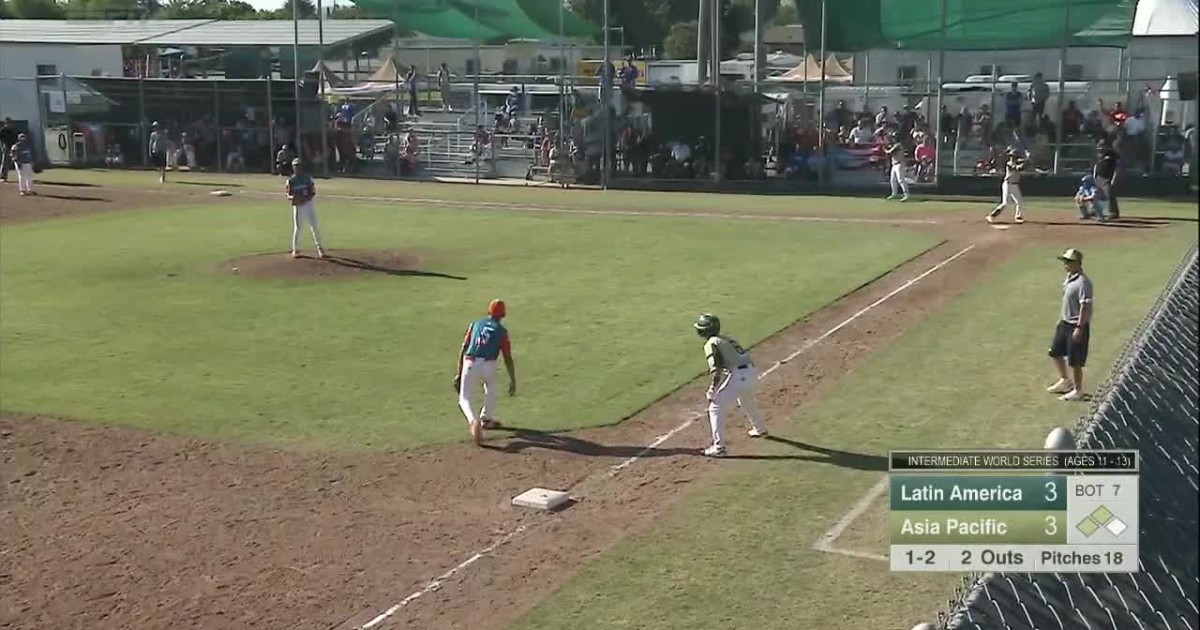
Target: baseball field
(198, 431)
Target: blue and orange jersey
(485, 339)
(301, 186)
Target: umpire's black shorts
(1064, 346)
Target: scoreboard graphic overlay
(1019, 511)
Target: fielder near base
(733, 379)
(301, 189)
(486, 339)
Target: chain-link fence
(805, 120)
(1150, 404)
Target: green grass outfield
(736, 552)
(128, 317)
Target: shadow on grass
(68, 184)
(522, 439)
(209, 184)
(74, 197)
(822, 455)
(391, 271)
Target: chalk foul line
(825, 543)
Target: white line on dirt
(825, 542)
(822, 545)
(636, 213)
(441, 579)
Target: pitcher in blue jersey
(300, 190)
(486, 339)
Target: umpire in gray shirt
(1069, 347)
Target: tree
(36, 9)
(105, 9)
(681, 41)
(785, 15)
(645, 21)
(305, 9)
(207, 9)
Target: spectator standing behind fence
(21, 154)
(8, 137)
(1069, 347)
(410, 81)
(158, 150)
(1012, 106)
(1072, 120)
(443, 82)
(1039, 93)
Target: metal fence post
(937, 157)
(62, 79)
(1062, 66)
(270, 126)
(217, 122)
(142, 140)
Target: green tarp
(853, 25)
(481, 19)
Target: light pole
(296, 71)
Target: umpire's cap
(496, 308)
(1071, 255)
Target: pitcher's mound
(338, 263)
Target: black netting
(1150, 404)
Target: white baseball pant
(1009, 191)
(899, 184)
(474, 372)
(25, 178)
(305, 213)
(738, 386)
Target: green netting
(504, 17)
(970, 24)
(481, 19)
(437, 19)
(546, 13)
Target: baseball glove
(457, 384)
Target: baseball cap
(295, 161)
(496, 308)
(1072, 255)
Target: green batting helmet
(707, 325)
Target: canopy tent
(811, 70)
(481, 19)
(1165, 17)
(854, 25)
(329, 80)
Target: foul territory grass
(737, 553)
(130, 317)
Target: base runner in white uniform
(734, 379)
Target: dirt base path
(115, 527)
